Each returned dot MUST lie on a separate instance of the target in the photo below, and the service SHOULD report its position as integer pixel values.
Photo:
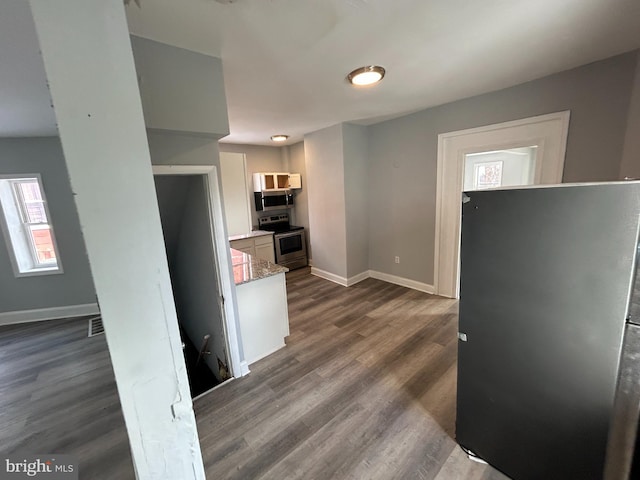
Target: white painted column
(89, 65)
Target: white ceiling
(285, 61)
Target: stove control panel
(282, 218)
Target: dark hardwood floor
(58, 395)
(365, 389)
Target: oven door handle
(289, 234)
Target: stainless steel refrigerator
(549, 347)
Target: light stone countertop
(254, 233)
(247, 268)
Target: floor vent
(95, 326)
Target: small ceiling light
(279, 138)
(366, 75)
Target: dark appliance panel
(289, 244)
(279, 200)
(545, 283)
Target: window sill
(39, 271)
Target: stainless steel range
(289, 240)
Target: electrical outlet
(397, 259)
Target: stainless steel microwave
(275, 200)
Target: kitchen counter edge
(252, 234)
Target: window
(487, 175)
(26, 225)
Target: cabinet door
(250, 250)
(245, 245)
(265, 251)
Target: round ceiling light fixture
(364, 76)
(279, 138)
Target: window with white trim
(27, 226)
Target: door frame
(222, 256)
(549, 132)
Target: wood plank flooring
(365, 389)
(58, 395)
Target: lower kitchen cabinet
(260, 246)
(246, 245)
(262, 304)
(264, 248)
(264, 316)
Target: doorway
(530, 151)
(187, 206)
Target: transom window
(27, 226)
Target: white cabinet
(295, 181)
(258, 246)
(266, 181)
(264, 248)
(246, 245)
(263, 315)
(235, 193)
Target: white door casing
(547, 132)
(222, 255)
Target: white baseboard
(332, 277)
(37, 315)
(347, 282)
(244, 369)
(403, 282)
(358, 278)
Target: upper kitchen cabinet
(275, 181)
(182, 91)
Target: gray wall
(183, 210)
(75, 285)
(403, 152)
(296, 164)
(171, 191)
(356, 180)
(175, 149)
(630, 165)
(181, 90)
(259, 158)
(325, 182)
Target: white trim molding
(332, 277)
(385, 277)
(52, 313)
(403, 282)
(547, 132)
(244, 368)
(358, 278)
(222, 254)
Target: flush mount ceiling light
(363, 76)
(279, 138)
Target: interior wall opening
(186, 225)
